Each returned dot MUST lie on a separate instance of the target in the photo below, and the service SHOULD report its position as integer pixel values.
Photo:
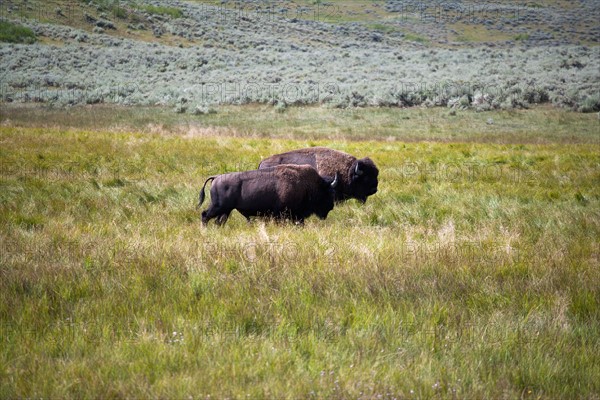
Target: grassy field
(472, 273)
(541, 125)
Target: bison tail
(201, 198)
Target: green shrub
(13, 33)
(119, 12)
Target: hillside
(194, 55)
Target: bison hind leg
(205, 218)
(215, 212)
(221, 219)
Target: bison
(358, 178)
(280, 192)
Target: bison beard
(284, 191)
(358, 177)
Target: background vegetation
(194, 55)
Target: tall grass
(537, 126)
(472, 273)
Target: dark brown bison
(358, 178)
(280, 192)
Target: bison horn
(357, 171)
(335, 181)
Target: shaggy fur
(283, 191)
(328, 162)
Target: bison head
(327, 196)
(363, 179)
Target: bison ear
(335, 181)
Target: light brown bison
(358, 178)
(283, 191)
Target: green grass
(162, 10)
(13, 33)
(415, 38)
(382, 28)
(472, 273)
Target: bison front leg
(297, 220)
